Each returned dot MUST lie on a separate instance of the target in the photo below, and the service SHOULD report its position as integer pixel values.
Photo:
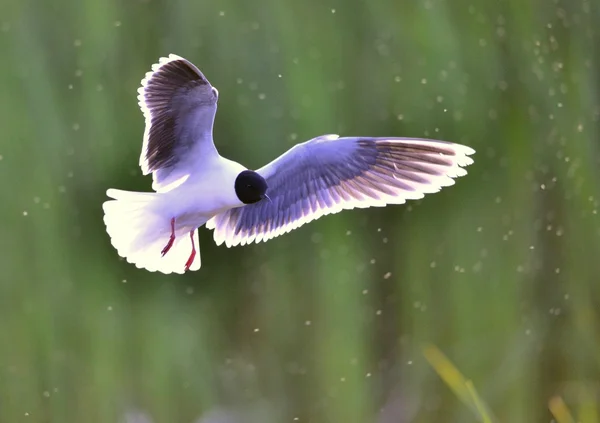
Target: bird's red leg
(171, 239)
(193, 254)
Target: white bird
(194, 185)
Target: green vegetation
(329, 323)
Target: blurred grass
(325, 324)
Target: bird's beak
(267, 197)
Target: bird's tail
(140, 232)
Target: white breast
(208, 191)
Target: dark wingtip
(169, 75)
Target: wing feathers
(179, 106)
(327, 175)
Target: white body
(139, 224)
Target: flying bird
(194, 185)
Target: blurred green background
(326, 324)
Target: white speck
(432, 264)
(222, 13)
(262, 96)
(332, 10)
(109, 308)
(46, 394)
(479, 229)
(342, 379)
(256, 330)
(348, 233)
(365, 291)
(400, 116)
(557, 270)
(409, 362)
(378, 312)
(279, 75)
(124, 281)
(70, 86)
(566, 296)
(387, 275)
(368, 375)
(307, 323)
(25, 213)
(373, 261)
(424, 81)
(397, 79)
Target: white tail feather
(139, 233)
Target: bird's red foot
(190, 260)
(171, 239)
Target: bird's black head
(250, 187)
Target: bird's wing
(328, 174)
(179, 105)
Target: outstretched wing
(179, 105)
(328, 174)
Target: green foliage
(326, 324)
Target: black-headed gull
(194, 185)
